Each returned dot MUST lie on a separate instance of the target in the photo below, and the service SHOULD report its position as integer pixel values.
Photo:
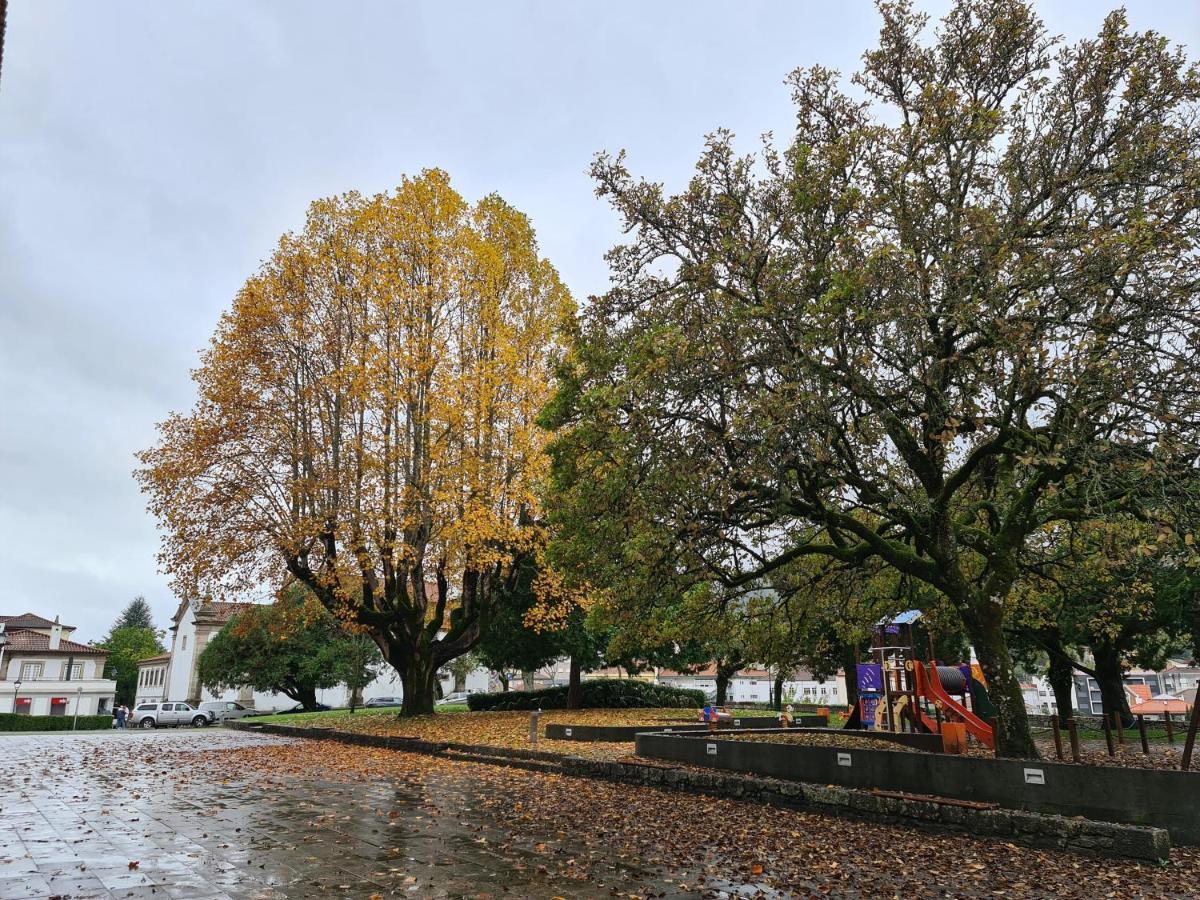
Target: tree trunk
(574, 685)
(987, 635)
(527, 680)
(850, 667)
(722, 687)
(778, 699)
(1110, 676)
(726, 669)
(1061, 676)
(306, 694)
(418, 677)
(503, 677)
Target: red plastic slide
(930, 686)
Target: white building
(172, 676)
(754, 685)
(1039, 696)
(45, 673)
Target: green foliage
(13, 722)
(136, 615)
(128, 645)
(599, 693)
(950, 313)
(293, 647)
(508, 644)
(361, 663)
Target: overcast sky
(152, 153)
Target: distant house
(1039, 696)
(173, 675)
(1143, 703)
(753, 685)
(45, 673)
(1180, 676)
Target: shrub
(13, 722)
(601, 693)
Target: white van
(220, 710)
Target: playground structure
(899, 691)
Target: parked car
(226, 709)
(377, 702)
(456, 697)
(159, 715)
(299, 707)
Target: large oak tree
(366, 421)
(962, 304)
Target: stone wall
(613, 733)
(1162, 799)
(1029, 828)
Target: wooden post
(1142, 732)
(1108, 737)
(1120, 729)
(1057, 735)
(1073, 731)
(1170, 728)
(1190, 743)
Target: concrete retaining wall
(1162, 799)
(1032, 829)
(601, 733)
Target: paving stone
(77, 810)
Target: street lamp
(16, 689)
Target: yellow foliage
(367, 408)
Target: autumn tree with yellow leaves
(366, 422)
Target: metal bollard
(533, 727)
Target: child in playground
(785, 717)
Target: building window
(183, 644)
(76, 672)
(23, 706)
(31, 671)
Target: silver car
(226, 709)
(158, 715)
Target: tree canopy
(127, 645)
(958, 307)
(366, 421)
(137, 614)
(293, 647)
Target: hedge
(14, 722)
(599, 693)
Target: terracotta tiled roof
(709, 671)
(1140, 692)
(150, 660)
(28, 620)
(1158, 707)
(33, 642)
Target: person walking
(122, 714)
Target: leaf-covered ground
(574, 830)
(507, 729)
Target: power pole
(3, 21)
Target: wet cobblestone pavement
(86, 816)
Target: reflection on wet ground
(113, 815)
